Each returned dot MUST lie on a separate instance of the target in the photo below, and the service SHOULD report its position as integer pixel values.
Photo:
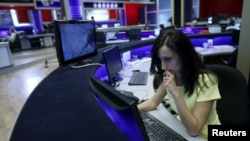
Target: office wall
(46, 15)
(112, 14)
(132, 13)
(243, 59)
(232, 7)
(23, 14)
(21, 11)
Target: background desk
(39, 40)
(5, 55)
(216, 50)
(126, 40)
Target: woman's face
(170, 61)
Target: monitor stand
(80, 64)
(114, 81)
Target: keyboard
(138, 78)
(158, 131)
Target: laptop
(123, 112)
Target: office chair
(100, 39)
(16, 45)
(235, 37)
(133, 34)
(233, 107)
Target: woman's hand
(170, 83)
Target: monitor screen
(111, 35)
(75, 41)
(113, 62)
(121, 110)
(5, 18)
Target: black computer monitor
(134, 34)
(113, 63)
(100, 39)
(75, 41)
(122, 110)
(28, 32)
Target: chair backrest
(233, 107)
(16, 45)
(231, 61)
(134, 34)
(235, 37)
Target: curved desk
(5, 55)
(63, 108)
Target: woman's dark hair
(192, 65)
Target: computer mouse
(136, 71)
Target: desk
(216, 50)
(120, 28)
(5, 55)
(126, 40)
(46, 39)
(63, 107)
(147, 91)
(40, 40)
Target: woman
(12, 36)
(191, 89)
(231, 25)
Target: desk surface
(147, 91)
(216, 50)
(126, 40)
(40, 35)
(63, 108)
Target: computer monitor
(111, 35)
(28, 32)
(134, 34)
(117, 24)
(75, 41)
(210, 20)
(100, 39)
(214, 29)
(104, 26)
(122, 110)
(113, 62)
(157, 32)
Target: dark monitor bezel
(58, 43)
(105, 53)
(118, 101)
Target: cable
(91, 64)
